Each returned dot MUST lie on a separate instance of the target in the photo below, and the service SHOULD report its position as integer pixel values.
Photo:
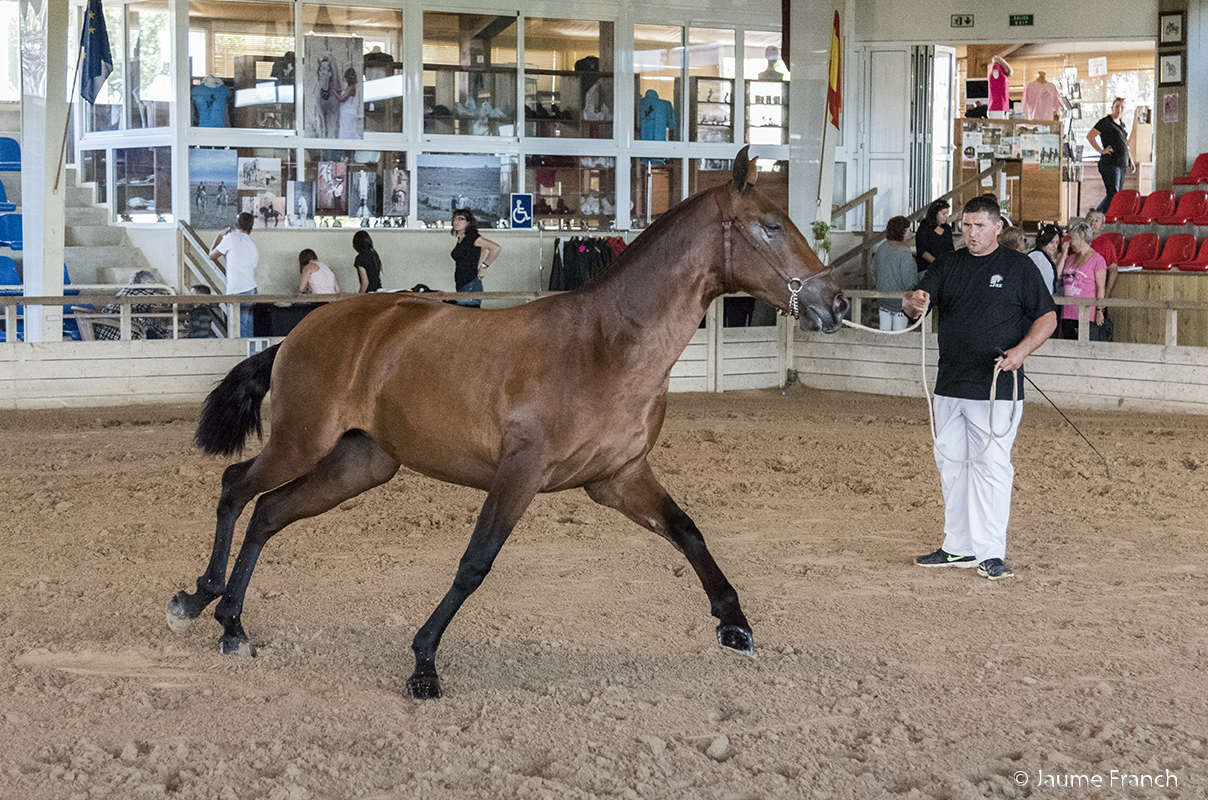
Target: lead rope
(927, 392)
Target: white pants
(893, 320)
(977, 495)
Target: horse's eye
(772, 228)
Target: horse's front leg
(637, 494)
(507, 500)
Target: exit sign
(962, 20)
(1021, 20)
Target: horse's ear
(742, 168)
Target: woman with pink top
(1083, 275)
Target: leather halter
(730, 220)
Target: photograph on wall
(362, 194)
(395, 202)
(300, 203)
(330, 198)
(445, 182)
(331, 87)
(267, 208)
(260, 174)
(1050, 150)
(1030, 151)
(212, 178)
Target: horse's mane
(649, 238)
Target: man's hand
(1011, 360)
(915, 304)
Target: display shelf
(711, 115)
(767, 107)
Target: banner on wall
(212, 197)
(332, 96)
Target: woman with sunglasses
(471, 255)
(1049, 256)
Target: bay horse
(567, 391)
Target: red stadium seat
(1142, 248)
(1158, 204)
(1192, 205)
(1198, 174)
(1179, 249)
(1124, 203)
(1117, 240)
(1200, 263)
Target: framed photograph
(1171, 68)
(1172, 28)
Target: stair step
(87, 260)
(79, 197)
(91, 235)
(90, 215)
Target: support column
(44, 107)
(809, 61)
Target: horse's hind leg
(183, 608)
(637, 494)
(357, 464)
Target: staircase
(94, 250)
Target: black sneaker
(994, 569)
(943, 559)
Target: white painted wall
(1055, 21)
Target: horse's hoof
(178, 618)
(238, 646)
(424, 687)
(739, 639)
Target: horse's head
(767, 256)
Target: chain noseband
(794, 285)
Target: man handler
(989, 298)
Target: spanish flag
(834, 89)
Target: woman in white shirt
(1049, 256)
(317, 277)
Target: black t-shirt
(928, 241)
(984, 303)
(1114, 134)
(372, 264)
(466, 260)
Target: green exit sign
(962, 20)
(1021, 20)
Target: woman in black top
(935, 235)
(468, 257)
(368, 264)
(1112, 146)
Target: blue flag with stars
(98, 59)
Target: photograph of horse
(567, 391)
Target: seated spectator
(317, 277)
(893, 270)
(201, 319)
(140, 327)
(1049, 256)
(1013, 239)
(1104, 246)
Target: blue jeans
(1113, 181)
(245, 316)
(473, 286)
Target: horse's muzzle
(820, 318)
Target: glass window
(149, 88)
(573, 191)
(93, 169)
(481, 182)
(767, 89)
(772, 176)
(568, 89)
(351, 189)
(658, 67)
(106, 113)
(380, 33)
(223, 182)
(704, 173)
(143, 177)
(469, 74)
(656, 185)
(10, 55)
(241, 59)
(710, 85)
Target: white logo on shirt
(995, 281)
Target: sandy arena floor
(586, 666)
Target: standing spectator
(1083, 275)
(468, 257)
(989, 300)
(935, 235)
(893, 270)
(242, 257)
(1104, 246)
(1049, 256)
(1112, 146)
(368, 264)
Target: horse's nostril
(840, 305)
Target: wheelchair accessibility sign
(522, 210)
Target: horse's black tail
(232, 410)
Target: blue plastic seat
(10, 155)
(4, 204)
(10, 231)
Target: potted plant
(822, 242)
